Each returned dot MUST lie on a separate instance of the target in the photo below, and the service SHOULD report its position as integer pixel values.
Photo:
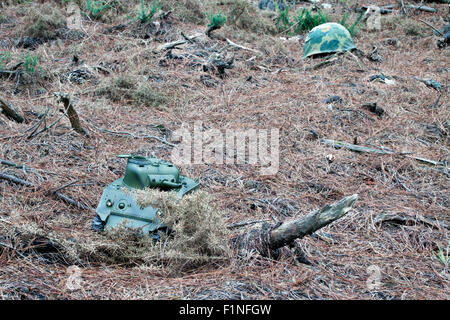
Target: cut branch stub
(268, 240)
(70, 111)
(287, 232)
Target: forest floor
(120, 82)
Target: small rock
(330, 158)
(332, 99)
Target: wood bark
(267, 240)
(71, 113)
(287, 232)
(9, 111)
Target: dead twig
(12, 164)
(9, 111)
(172, 45)
(231, 43)
(431, 26)
(57, 194)
(65, 186)
(245, 223)
(34, 133)
(124, 133)
(442, 165)
(407, 219)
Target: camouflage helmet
(326, 38)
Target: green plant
(283, 22)
(353, 28)
(216, 20)
(146, 16)
(444, 258)
(30, 63)
(306, 20)
(5, 57)
(96, 7)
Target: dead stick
(57, 194)
(422, 8)
(244, 223)
(231, 43)
(65, 186)
(12, 164)
(9, 111)
(429, 24)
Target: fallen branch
(297, 229)
(353, 147)
(124, 133)
(267, 240)
(57, 194)
(12, 164)
(431, 26)
(9, 111)
(383, 10)
(422, 8)
(172, 45)
(409, 220)
(244, 223)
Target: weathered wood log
(297, 229)
(9, 111)
(268, 239)
(58, 195)
(353, 147)
(422, 8)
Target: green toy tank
(118, 207)
(328, 38)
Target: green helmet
(326, 38)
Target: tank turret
(117, 206)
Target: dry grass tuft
(128, 89)
(42, 21)
(199, 232)
(198, 237)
